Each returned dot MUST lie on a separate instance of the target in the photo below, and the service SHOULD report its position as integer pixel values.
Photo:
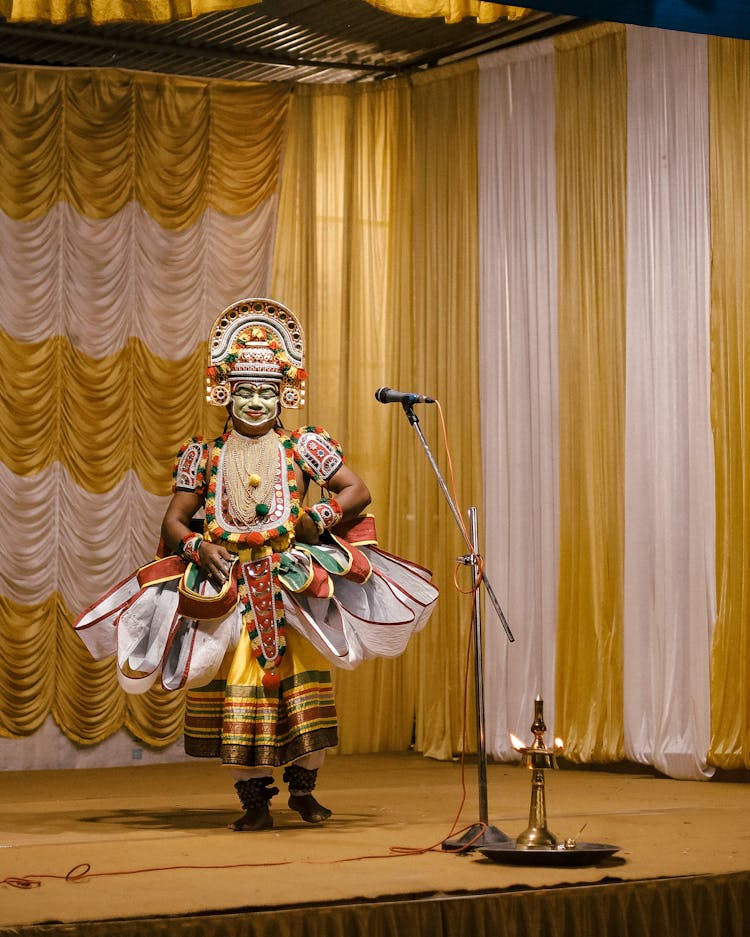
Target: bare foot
(258, 818)
(308, 808)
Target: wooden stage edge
(153, 856)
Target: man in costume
(252, 604)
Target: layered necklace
(250, 469)
(252, 536)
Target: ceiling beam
(246, 57)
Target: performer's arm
(175, 529)
(350, 494)
(350, 491)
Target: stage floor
(156, 841)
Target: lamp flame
(516, 743)
(559, 744)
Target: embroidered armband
(317, 453)
(326, 514)
(190, 468)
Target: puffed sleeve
(190, 466)
(317, 453)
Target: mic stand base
(477, 835)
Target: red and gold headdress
(256, 340)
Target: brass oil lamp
(538, 758)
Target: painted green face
(255, 405)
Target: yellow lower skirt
(238, 720)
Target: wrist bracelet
(312, 513)
(189, 547)
(329, 512)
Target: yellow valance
(453, 11)
(113, 11)
(165, 11)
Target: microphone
(386, 395)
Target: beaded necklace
(250, 475)
(254, 538)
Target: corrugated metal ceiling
(276, 40)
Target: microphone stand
(481, 833)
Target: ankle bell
(255, 792)
(301, 781)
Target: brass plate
(580, 854)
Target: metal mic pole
(414, 421)
(481, 833)
(478, 671)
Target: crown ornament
(256, 340)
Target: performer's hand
(306, 531)
(216, 560)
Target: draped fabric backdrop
(360, 230)
(367, 222)
(647, 330)
(553, 245)
(132, 210)
(590, 151)
(729, 127)
(518, 360)
(161, 11)
(670, 555)
(113, 11)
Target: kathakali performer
(249, 606)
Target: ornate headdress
(256, 340)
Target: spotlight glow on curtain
(377, 243)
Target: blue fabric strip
(712, 17)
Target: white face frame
(255, 404)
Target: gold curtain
(439, 346)
(333, 263)
(452, 11)
(98, 139)
(113, 11)
(164, 11)
(591, 163)
(376, 247)
(74, 423)
(729, 102)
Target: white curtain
(49, 748)
(85, 525)
(670, 594)
(126, 276)
(519, 384)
